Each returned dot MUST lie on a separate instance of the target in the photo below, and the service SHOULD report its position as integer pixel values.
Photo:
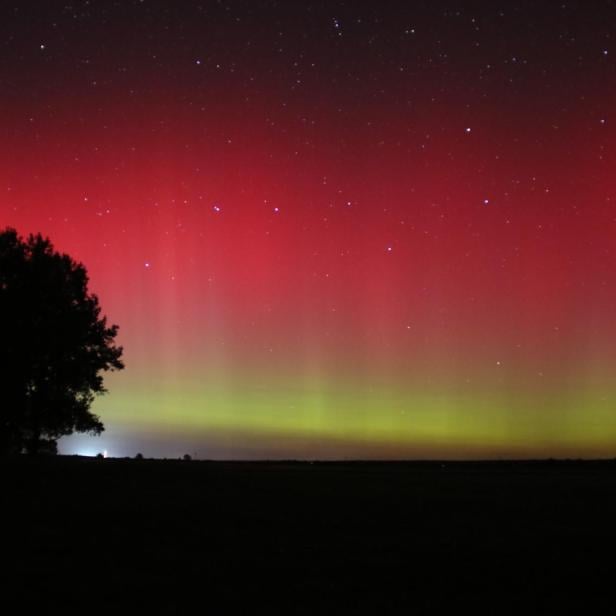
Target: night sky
(329, 229)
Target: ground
(88, 535)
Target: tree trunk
(33, 444)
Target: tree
(54, 347)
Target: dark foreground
(89, 535)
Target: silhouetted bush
(48, 447)
(139, 456)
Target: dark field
(84, 535)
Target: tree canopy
(54, 347)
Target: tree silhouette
(54, 346)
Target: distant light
(86, 453)
(486, 201)
(467, 130)
(216, 208)
(42, 47)
(389, 249)
(146, 265)
(105, 453)
(276, 210)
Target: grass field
(86, 535)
